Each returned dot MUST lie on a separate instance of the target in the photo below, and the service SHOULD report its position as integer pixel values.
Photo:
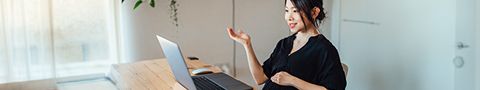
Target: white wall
(201, 30)
(326, 25)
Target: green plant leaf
(137, 4)
(152, 3)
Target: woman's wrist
(247, 45)
(297, 83)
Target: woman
(304, 60)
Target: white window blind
(56, 38)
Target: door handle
(461, 45)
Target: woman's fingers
(240, 32)
(279, 75)
(231, 33)
(274, 79)
(281, 78)
(239, 36)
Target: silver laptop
(214, 81)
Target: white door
(398, 44)
(464, 60)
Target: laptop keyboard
(203, 83)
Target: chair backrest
(345, 69)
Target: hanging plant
(173, 9)
(173, 12)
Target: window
(56, 38)
(83, 33)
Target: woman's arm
(303, 85)
(255, 67)
(284, 78)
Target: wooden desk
(150, 75)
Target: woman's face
(293, 17)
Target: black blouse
(317, 62)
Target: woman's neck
(305, 34)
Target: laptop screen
(177, 64)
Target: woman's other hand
(239, 37)
(283, 78)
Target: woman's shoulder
(324, 45)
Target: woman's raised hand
(239, 37)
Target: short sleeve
(331, 74)
(267, 65)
